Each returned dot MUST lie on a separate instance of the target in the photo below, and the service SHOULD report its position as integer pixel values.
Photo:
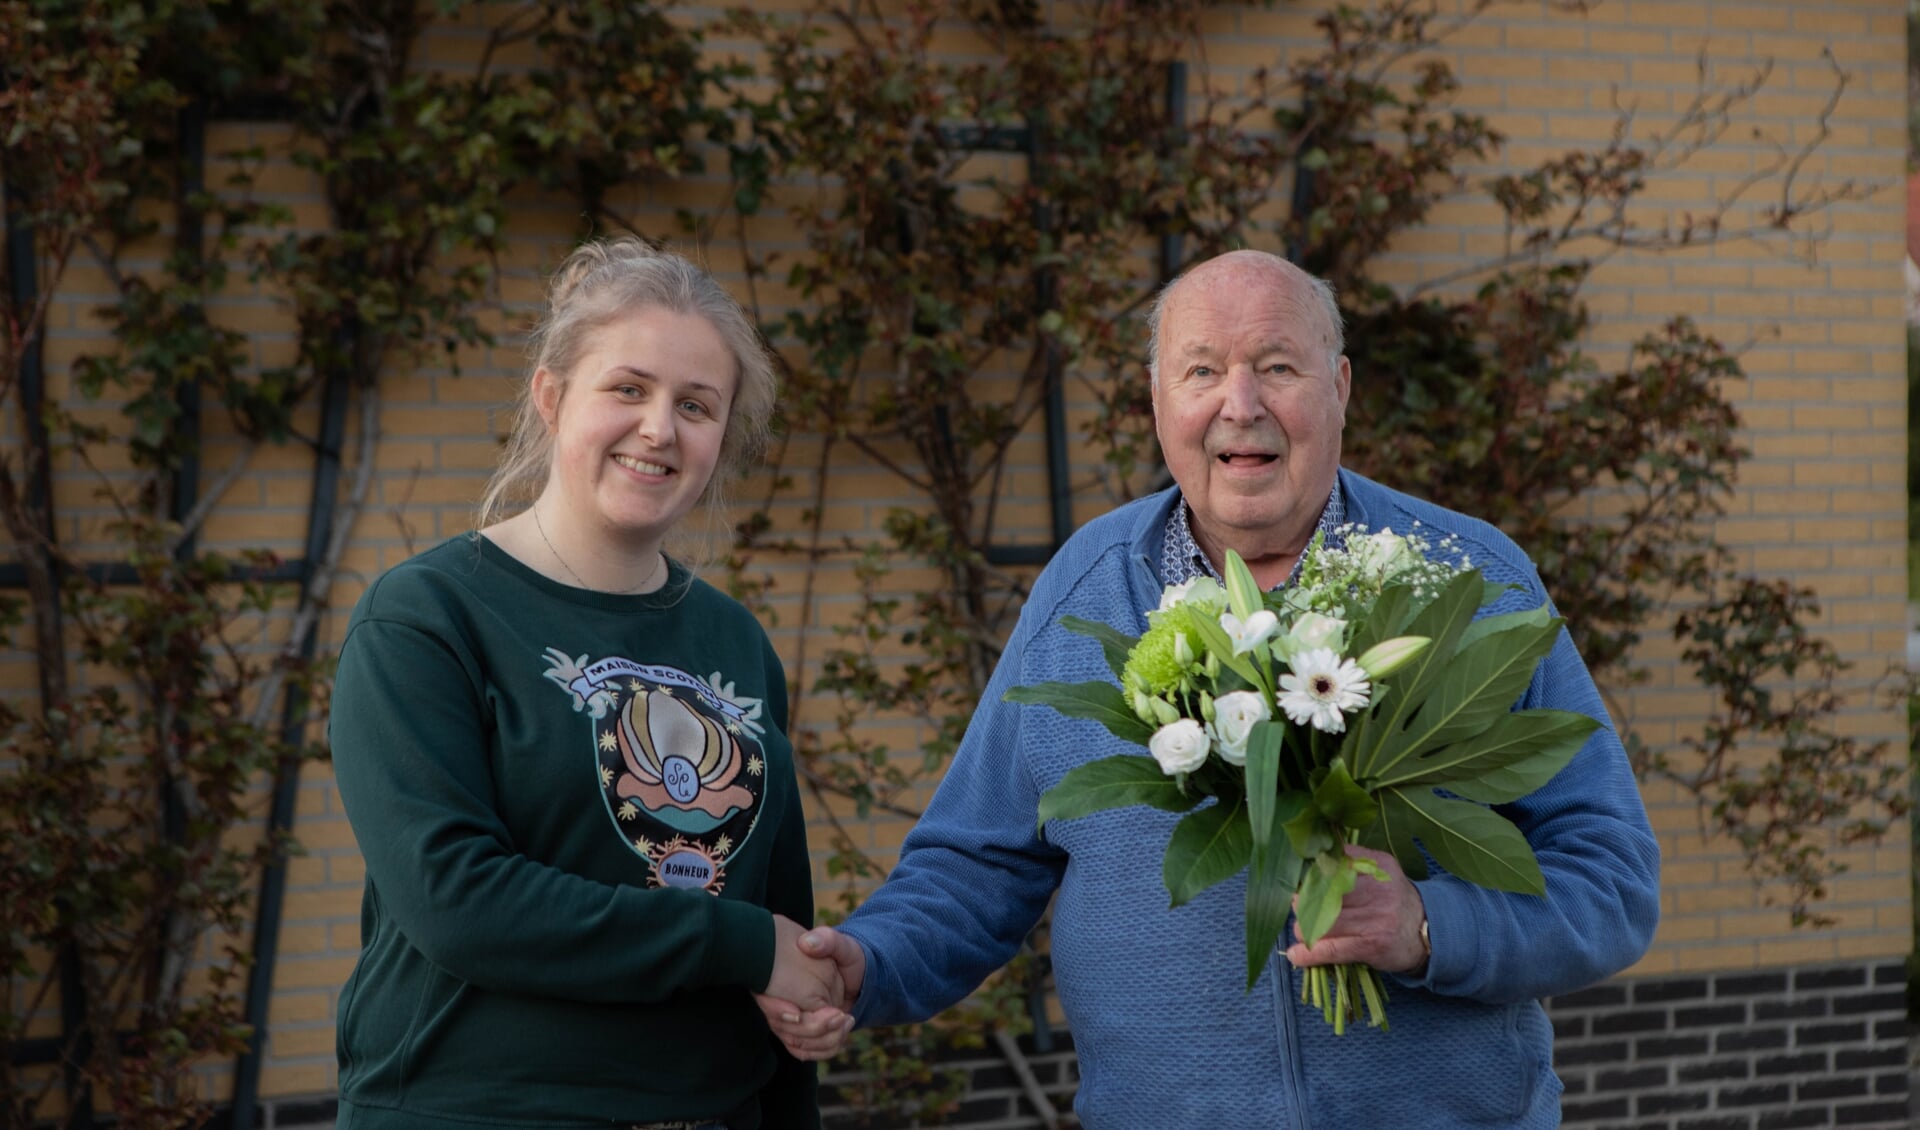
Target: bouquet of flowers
(1366, 703)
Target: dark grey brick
(1717, 1122)
(1805, 1063)
(1594, 1110)
(1684, 989)
(1631, 1079)
(1749, 984)
(1712, 1071)
(1828, 978)
(1890, 973)
(1621, 1023)
(1892, 1028)
(1671, 1102)
(1811, 1035)
(1600, 996)
(1795, 1119)
(1892, 1083)
(1611, 1052)
(1790, 1009)
(1835, 1087)
(1854, 1059)
(1710, 1016)
(1762, 1094)
(1870, 1002)
(1568, 1027)
(1750, 1039)
(1670, 1047)
(1870, 1112)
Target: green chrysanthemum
(1154, 663)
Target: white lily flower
(1323, 689)
(1179, 747)
(1200, 590)
(1234, 717)
(1251, 633)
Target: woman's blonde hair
(599, 282)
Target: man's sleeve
(973, 878)
(410, 755)
(1588, 827)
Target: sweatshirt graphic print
(679, 762)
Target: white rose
(1199, 590)
(1234, 717)
(1310, 631)
(1179, 747)
(1388, 554)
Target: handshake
(808, 1001)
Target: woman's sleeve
(790, 1100)
(410, 741)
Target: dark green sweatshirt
(577, 811)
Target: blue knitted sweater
(1165, 1034)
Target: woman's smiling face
(638, 424)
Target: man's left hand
(1379, 923)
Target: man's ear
(1343, 381)
(546, 395)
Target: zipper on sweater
(1288, 1019)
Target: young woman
(565, 761)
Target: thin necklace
(576, 576)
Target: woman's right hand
(809, 1030)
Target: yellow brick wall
(1822, 500)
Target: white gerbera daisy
(1321, 687)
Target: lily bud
(1164, 711)
(1182, 650)
(1206, 706)
(1388, 656)
(1142, 706)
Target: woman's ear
(546, 395)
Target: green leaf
(1474, 843)
(1115, 644)
(1517, 754)
(1113, 782)
(1306, 832)
(1270, 887)
(1384, 620)
(1342, 803)
(1487, 625)
(1102, 702)
(1214, 637)
(1263, 780)
(1443, 621)
(1243, 592)
(1394, 833)
(1481, 684)
(1324, 887)
(1209, 846)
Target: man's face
(1249, 406)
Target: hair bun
(592, 258)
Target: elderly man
(1249, 394)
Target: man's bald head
(1244, 269)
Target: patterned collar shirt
(1181, 558)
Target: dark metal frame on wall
(336, 389)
